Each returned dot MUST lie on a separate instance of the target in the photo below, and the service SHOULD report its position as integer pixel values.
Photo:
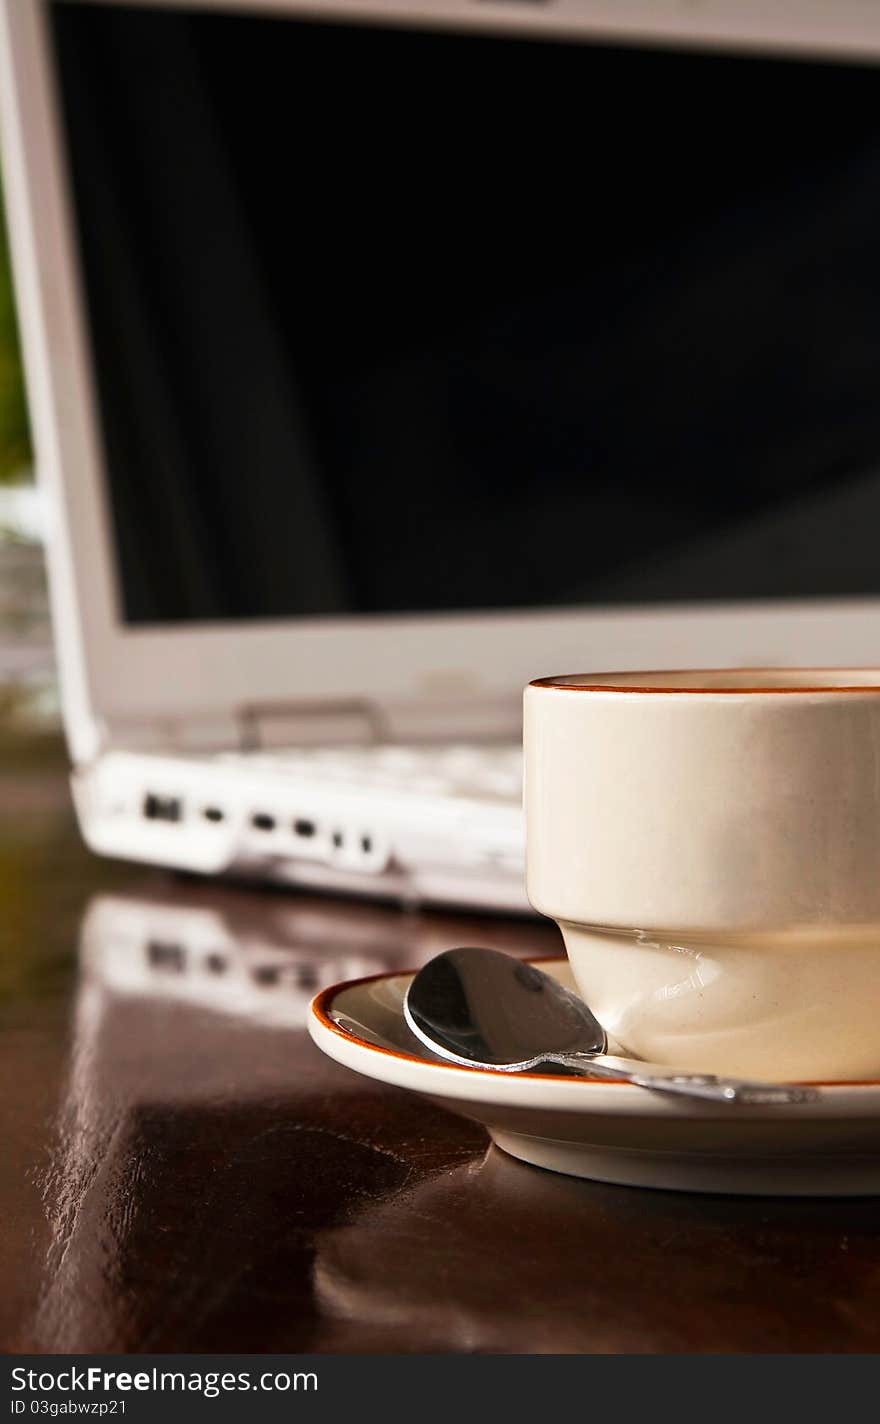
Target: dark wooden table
(181, 1169)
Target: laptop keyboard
(478, 772)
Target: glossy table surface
(182, 1170)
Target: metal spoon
(485, 1009)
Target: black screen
(399, 320)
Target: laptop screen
(397, 320)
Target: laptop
(384, 356)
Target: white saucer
(613, 1132)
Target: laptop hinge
(324, 723)
(253, 727)
(317, 722)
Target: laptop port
(304, 828)
(263, 822)
(337, 840)
(162, 808)
(212, 813)
(165, 954)
(366, 844)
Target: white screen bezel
(115, 674)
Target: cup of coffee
(709, 844)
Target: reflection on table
(202, 1138)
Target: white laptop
(384, 354)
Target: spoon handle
(691, 1085)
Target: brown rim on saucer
(753, 681)
(322, 1001)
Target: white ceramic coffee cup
(709, 843)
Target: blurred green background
(15, 446)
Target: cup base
(799, 1005)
